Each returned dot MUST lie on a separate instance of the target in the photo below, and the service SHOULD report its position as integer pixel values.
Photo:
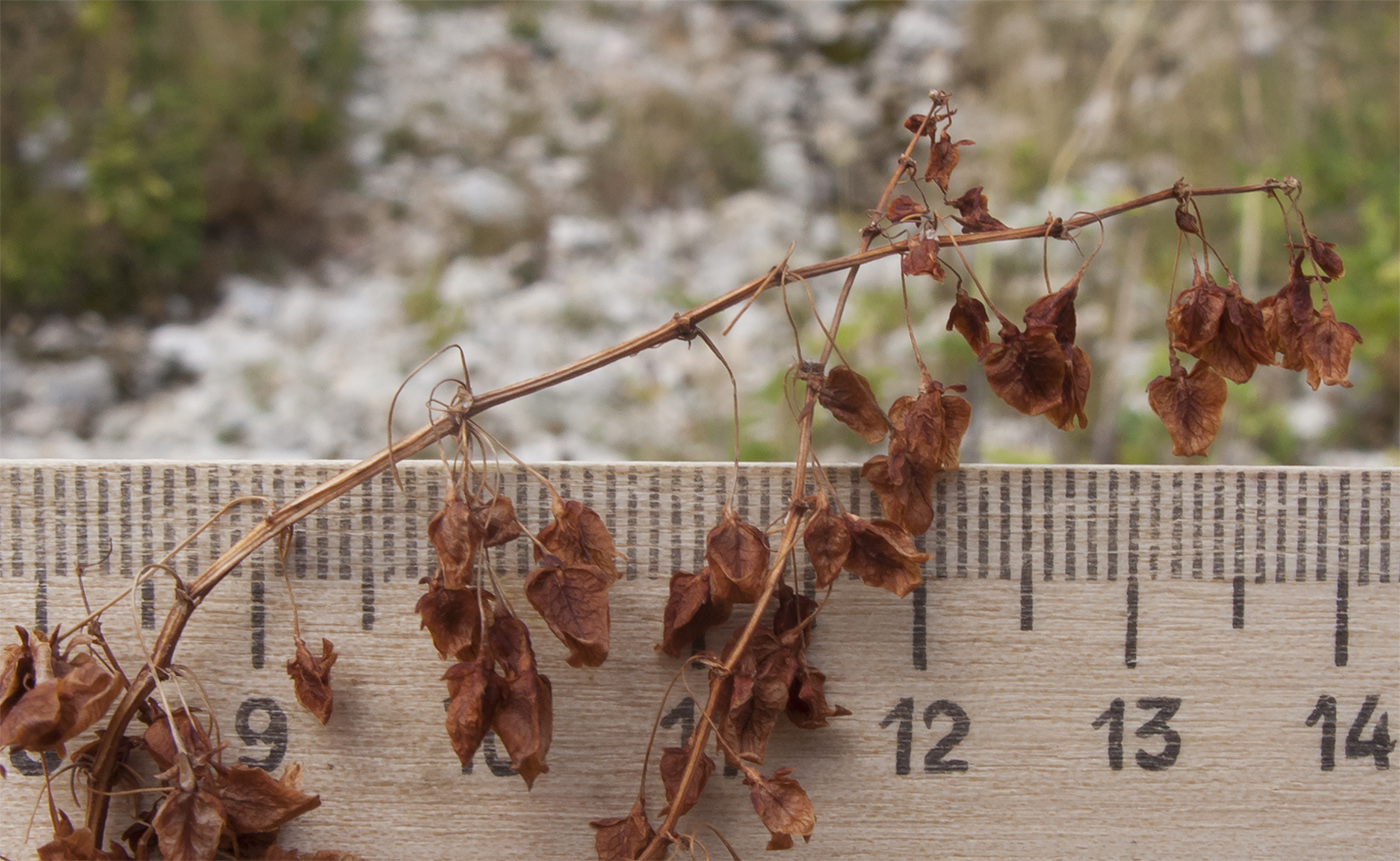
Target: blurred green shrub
(667, 150)
(147, 148)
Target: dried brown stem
(681, 325)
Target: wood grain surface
(1212, 623)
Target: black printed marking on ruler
(1130, 636)
(1237, 604)
(920, 627)
(1027, 566)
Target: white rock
(483, 195)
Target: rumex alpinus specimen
(49, 693)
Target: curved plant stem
(681, 325)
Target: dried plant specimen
(48, 697)
(904, 209)
(577, 535)
(782, 804)
(848, 396)
(623, 838)
(524, 720)
(1190, 405)
(311, 678)
(690, 612)
(474, 693)
(737, 555)
(1327, 346)
(189, 823)
(974, 216)
(573, 600)
(969, 317)
(453, 618)
(673, 762)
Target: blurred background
(231, 229)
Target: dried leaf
(914, 122)
(793, 619)
(493, 523)
(578, 536)
(1287, 315)
(928, 430)
(475, 692)
(969, 317)
(160, 743)
(690, 612)
(883, 554)
(1241, 343)
(737, 555)
(975, 218)
(904, 209)
(807, 707)
(1325, 257)
(1185, 221)
(1027, 370)
(757, 695)
(851, 401)
(453, 617)
(673, 762)
(623, 838)
(908, 502)
(922, 257)
(827, 540)
(311, 678)
(573, 600)
(1327, 346)
(524, 720)
(67, 697)
(781, 803)
(1075, 392)
(16, 665)
(76, 846)
(188, 824)
(256, 803)
(942, 158)
(1057, 311)
(452, 537)
(1221, 327)
(1190, 405)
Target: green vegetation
(665, 148)
(149, 147)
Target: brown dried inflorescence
(969, 317)
(928, 429)
(736, 554)
(516, 703)
(690, 611)
(625, 837)
(782, 804)
(1221, 327)
(573, 600)
(922, 256)
(453, 617)
(904, 209)
(974, 216)
(847, 394)
(578, 536)
(48, 697)
(311, 678)
(212, 807)
(461, 529)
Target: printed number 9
(274, 736)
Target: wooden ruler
(1103, 661)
